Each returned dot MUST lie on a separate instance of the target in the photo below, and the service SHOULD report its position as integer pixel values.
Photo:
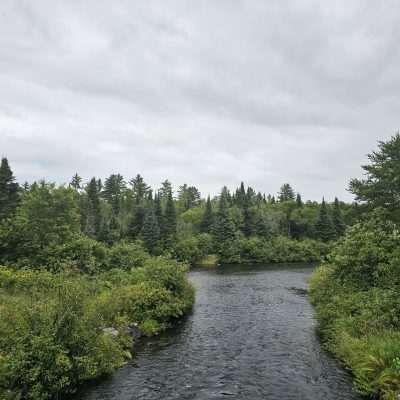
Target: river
(251, 336)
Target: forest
(85, 263)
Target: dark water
(251, 336)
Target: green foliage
(277, 250)
(9, 189)
(151, 232)
(55, 328)
(324, 228)
(208, 217)
(169, 221)
(381, 187)
(286, 193)
(356, 295)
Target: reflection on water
(251, 336)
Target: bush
(52, 326)
(356, 296)
(277, 250)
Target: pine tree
(337, 219)
(139, 188)
(9, 190)
(151, 231)
(324, 227)
(286, 193)
(137, 220)
(76, 182)
(240, 196)
(158, 209)
(93, 214)
(169, 222)
(223, 228)
(208, 218)
(299, 201)
(114, 188)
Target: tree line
(184, 224)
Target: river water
(251, 336)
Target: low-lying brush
(60, 329)
(356, 295)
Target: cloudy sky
(203, 92)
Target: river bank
(251, 335)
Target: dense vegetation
(44, 224)
(58, 330)
(357, 291)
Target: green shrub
(52, 326)
(356, 297)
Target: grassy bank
(357, 299)
(58, 330)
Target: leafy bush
(277, 250)
(54, 327)
(356, 296)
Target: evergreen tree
(9, 190)
(381, 186)
(188, 197)
(93, 214)
(151, 231)
(224, 228)
(114, 188)
(76, 182)
(337, 219)
(286, 193)
(240, 197)
(137, 220)
(208, 218)
(169, 220)
(324, 227)
(299, 201)
(158, 209)
(139, 188)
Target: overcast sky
(204, 92)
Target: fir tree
(151, 231)
(76, 182)
(9, 190)
(299, 201)
(286, 193)
(324, 227)
(93, 213)
(223, 228)
(337, 219)
(208, 218)
(169, 222)
(158, 209)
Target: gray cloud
(208, 93)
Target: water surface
(251, 336)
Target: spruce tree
(151, 230)
(169, 223)
(208, 218)
(76, 182)
(158, 209)
(337, 219)
(223, 228)
(93, 213)
(9, 190)
(324, 227)
(299, 201)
